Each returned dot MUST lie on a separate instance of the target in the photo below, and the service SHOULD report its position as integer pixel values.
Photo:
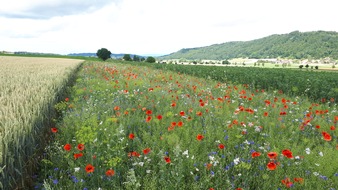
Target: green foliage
(295, 45)
(150, 59)
(226, 62)
(103, 54)
(136, 58)
(127, 57)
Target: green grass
(113, 111)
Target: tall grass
(29, 87)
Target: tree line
(105, 54)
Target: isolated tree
(127, 57)
(103, 54)
(150, 59)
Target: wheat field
(29, 87)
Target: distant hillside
(297, 45)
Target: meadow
(127, 126)
(29, 88)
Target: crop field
(29, 88)
(133, 127)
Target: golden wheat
(28, 89)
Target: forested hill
(297, 45)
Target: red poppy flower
(131, 136)
(173, 104)
(159, 117)
(90, 168)
(149, 112)
(332, 128)
(76, 156)
(282, 113)
(173, 124)
(182, 113)
(80, 147)
(167, 159)
(54, 130)
(133, 154)
(199, 137)
(266, 114)
(287, 182)
(327, 136)
(221, 146)
(66, 99)
(67, 147)
(199, 113)
(317, 126)
(271, 166)
(116, 108)
(255, 154)
(146, 151)
(287, 153)
(298, 179)
(180, 124)
(148, 118)
(272, 155)
(110, 173)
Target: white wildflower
(236, 161)
(307, 150)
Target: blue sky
(152, 26)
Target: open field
(29, 88)
(134, 127)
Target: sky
(152, 27)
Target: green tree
(136, 58)
(150, 59)
(103, 54)
(127, 57)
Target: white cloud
(41, 9)
(152, 26)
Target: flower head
(327, 136)
(110, 172)
(54, 130)
(199, 137)
(287, 153)
(67, 147)
(272, 155)
(167, 159)
(255, 154)
(271, 166)
(80, 147)
(131, 136)
(90, 168)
